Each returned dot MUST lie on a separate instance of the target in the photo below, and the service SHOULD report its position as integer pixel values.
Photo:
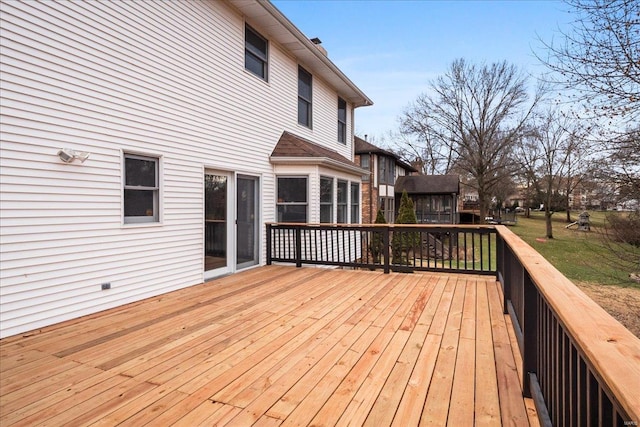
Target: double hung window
(255, 52)
(387, 170)
(141, 189)
(343, 188)
(365, 163)
(292, 199)
(342, 121)
(355, 203)
(326, 199)
(304, 97)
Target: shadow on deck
(278, 345)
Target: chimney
(318, 44)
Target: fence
(390, 247)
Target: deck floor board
(277, 345)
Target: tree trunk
(568, 215)
(547, 217)
(483, 208)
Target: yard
(585, 259)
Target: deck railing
(580, 366)
(391, 247)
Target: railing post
(500, 259)
(269, 244)
(298, 237)
(529, 333)
(507, 276)
(385, 248)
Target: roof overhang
(278, 28)
(318, 161)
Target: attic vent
(318, 44)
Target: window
(387, 207)
(326, 199)
(342, 120)
(355, 203)
(304, 97)
(343, 187)
(255, 52)
(292, 199)
(141, 189)
(387, 170)
(365, 163)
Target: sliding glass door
(231, 222)
(215, 222)
(247, 227)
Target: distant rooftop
(428, 184)
(364, 147)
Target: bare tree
(470, 118)
(598, 58)
(553, 156)
(418, 142)
(598, 61)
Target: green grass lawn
(581, 256)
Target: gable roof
(277, 27)
(428, 184)
(293, 149)
(364, 147)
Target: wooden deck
(277, 345)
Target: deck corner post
(529, 332)
(385, 248)
(268, 243)
(298, 236)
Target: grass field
(581, 256)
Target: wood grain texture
(277, 346)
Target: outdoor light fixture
(68, 155)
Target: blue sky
(392, 49)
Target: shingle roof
(291, 146)
(364, 147)
(428, 184)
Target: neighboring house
(378, 185)
(435, 197)
(202, 121)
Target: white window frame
(355, 203)
(155, 218)
(288, 203)
(327, 203)
(249, 49)
(342, 122)
(342, 214)
(308, 101)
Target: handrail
(584, 362)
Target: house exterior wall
(163, 79)
(372, 190)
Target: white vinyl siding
(162, 78)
